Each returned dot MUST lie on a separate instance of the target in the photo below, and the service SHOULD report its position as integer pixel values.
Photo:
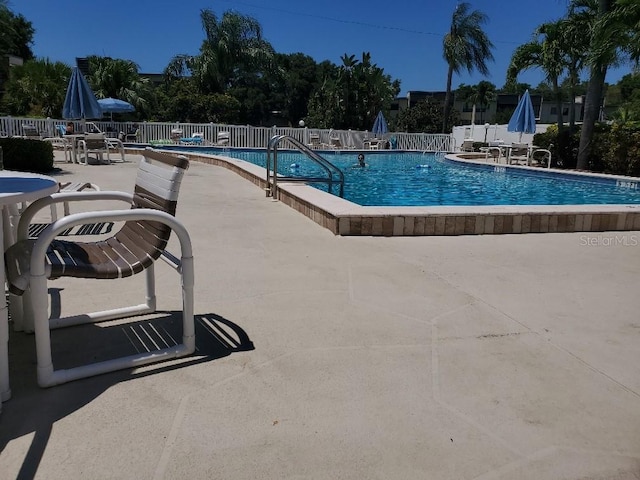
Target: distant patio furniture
(132, 135)
(223, 138)
(117, 145)
(94, 143)
(314, 140)
(194, 139)
(134, 248)
(518, 153)
(31, 132)
(335, 142)
(61, 130)
(63, 144)
(71, 187)
(467, 145)
(541, 156)
(176, 134)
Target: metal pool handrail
(272, 173)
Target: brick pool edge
(342, 217)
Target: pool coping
(346, 218)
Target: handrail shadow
(33, 410)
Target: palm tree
(38, 88)
(118, 78)
(575, 44)
(231, 44)
(465, 46)
(616, 33)
(485, 93)
(545, 52)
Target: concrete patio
(326, 357)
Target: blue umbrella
(380, 125)
(114, 105)
(523, 119)
(80, 102)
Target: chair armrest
(35, 207)
(48, 234)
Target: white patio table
(15, 187)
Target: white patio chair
(519, 152)
(94, 143)
(63, 144)
(117, 145)
(133, 249)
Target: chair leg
(48, 377)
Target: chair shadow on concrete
(33, 410)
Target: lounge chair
(467, 145)
(141, 241)
(194, 139)
(94, 143)
(31, 132)
(223, 138)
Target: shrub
(621, 152)
(614, 148)
(27, 155)
(563, 148)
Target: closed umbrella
(115, 105)
(80, 102)
(380, 125)
(523, 119)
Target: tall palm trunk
(591, 113)
(593, 100)
(447, 101)
(558, 95)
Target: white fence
(243, 136)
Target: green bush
(27, 155)
(563, 148)
(614, 149)
(621, 152)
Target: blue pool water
(414, 179)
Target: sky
(404, 37)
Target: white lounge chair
(467, 145)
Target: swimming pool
(414, 179)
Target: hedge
(615, 148)
(27, 155)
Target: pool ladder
(334, 174)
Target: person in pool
(361, 161)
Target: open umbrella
(115, 105)
(523, 119)
(80, 102)
(380, 125)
